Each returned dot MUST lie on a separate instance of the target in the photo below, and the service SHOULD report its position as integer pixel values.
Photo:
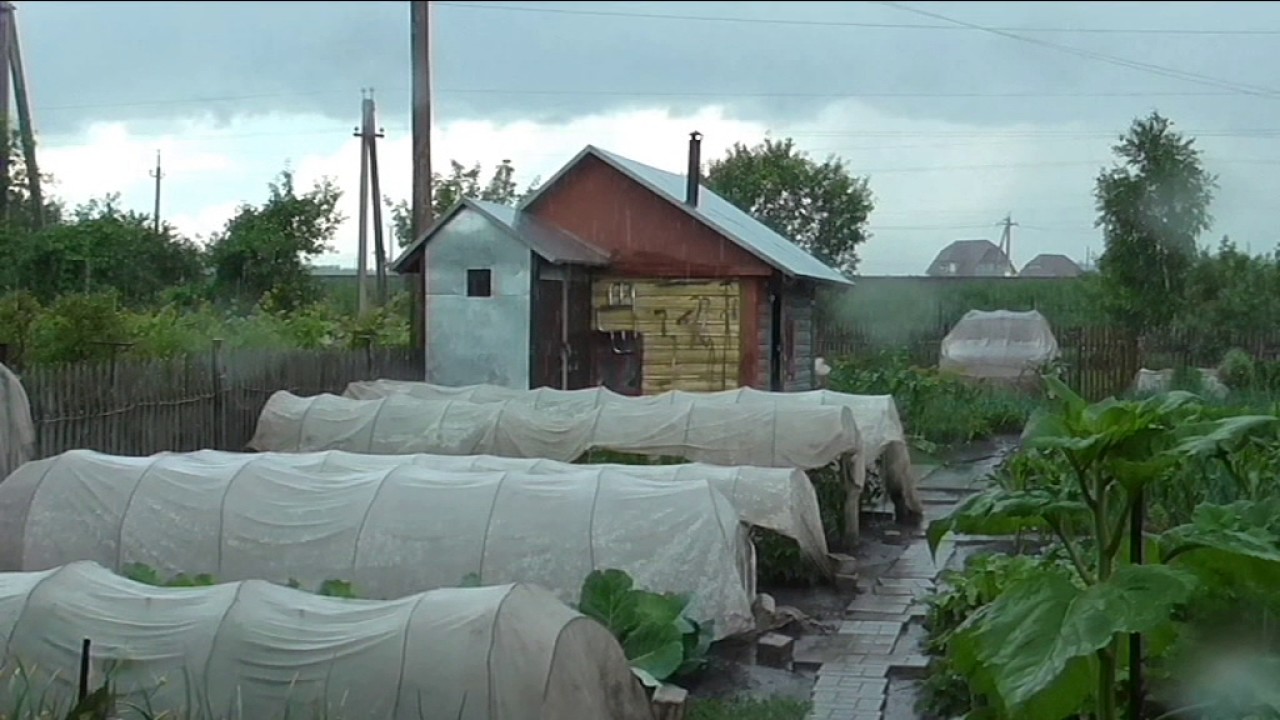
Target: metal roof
(717, 213)
(549, 242)
(1051, 265)
(969, 256)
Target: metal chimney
(695, 169)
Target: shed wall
(472, 340)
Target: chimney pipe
(694, 176)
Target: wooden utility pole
(6, 23)
(370, 186)
(420, 50)
(25, 127)
(158, 174)
(362, 259)
(1006, 238)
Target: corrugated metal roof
(552, 243)
(968, 256)
(1051, 265)
(725, 217)
(717, 213)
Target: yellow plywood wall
(691, 329)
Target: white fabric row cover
(776, 499)
(391, 531)
(875, 415)
(758, 435)
(17, 432)
(257, 650)
(998, 344)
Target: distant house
(1048, 265)
(619, 274)
(971, 258)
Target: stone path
(872, 644)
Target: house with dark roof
(971, 258)
(620, 274)
(1050, 265)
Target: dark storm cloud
(163, 60)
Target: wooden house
(620, 274)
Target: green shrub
(1237, 370)
(936, 406)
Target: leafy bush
(936, 406)
(1237, 369)
(147, 575)
(1049, 644)
(658, 638)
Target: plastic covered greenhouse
(257, 650)
(875, 415)
(17, 432)
(776, 499)
(998, 345)
(390, 531)
(757, 435)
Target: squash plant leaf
(607, 597)
(1037, 641)
(1239, 542)
(1205, 438)
(657, 649)
(998, 511)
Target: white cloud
(934, 182)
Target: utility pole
(369, 185)
(1006, 238)
(158, 175)
(420, 51)
(25, 127)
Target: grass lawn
(745, 709)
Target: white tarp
(998, 345)
(257, 650)
(759, 435)
(1150, 382)
(776, 499)
(391, 531)
(17, 432)
(875, 415)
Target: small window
(479, 283)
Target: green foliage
(934, 405)
(337, 588)
(946, 693)
(1237, 369)
(748, 709)
(142, 573)
(1152, 207)
(820, 206)
(262, 253)
(658, 638)
(1048, 645)
(102, 249)
(461, 182)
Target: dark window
(479, 283)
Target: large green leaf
(1209, 437)
(656, 649)
(659, 609)
(998, 511)
(1239, 542)
(607, 596)
(1037, 640)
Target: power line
(1164, 71)
(859, 24)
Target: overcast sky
(959, 112)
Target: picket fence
(210, 400)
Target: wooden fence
(1099, 361)
(135, 407)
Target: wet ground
(733, 672)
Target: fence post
(219, 405)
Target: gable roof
(713, 211)
(1051, 265)
(968, 256)
(549, 242)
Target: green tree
(1152, 207)
(102, 248)
(461, 182)
(263, 251)
(818, 205)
